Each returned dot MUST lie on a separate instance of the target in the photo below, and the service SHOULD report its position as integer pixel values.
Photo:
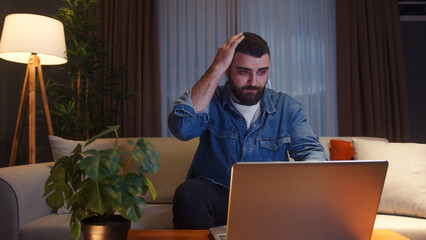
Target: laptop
(303, 200)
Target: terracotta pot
(116, 229)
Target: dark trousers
(200, 204)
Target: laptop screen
(304, 200)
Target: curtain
(300, 34)
(302, 41)
(371, 81)
(131, 28)
(191, 32)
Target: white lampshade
(24, 34)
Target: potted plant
(95, 185)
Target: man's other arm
(304, 144)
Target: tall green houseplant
(90, 97)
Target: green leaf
(147, 184)
(152, 189)
(57, 189)
(111, 159)
(75, 229)
(134, 184)
(121, 162)
(100, 164)
(77, 214)
(92, 194)
(75, 225)
(146, 154)
(136, 210)
(111, 191)
(120, 189)
(92, 166)
(128, 201)
(109, 130)
(126, 188)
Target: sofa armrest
(21, 191)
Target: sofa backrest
(175, 158)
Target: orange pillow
(341, 150)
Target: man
(241, 121)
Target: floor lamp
(34, 40)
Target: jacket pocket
(222, 131)
(273, 144)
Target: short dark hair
(253, 45)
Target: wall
(11, 80)
(414, 38)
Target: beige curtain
(371, 81)
(131, 28)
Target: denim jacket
(281, 127)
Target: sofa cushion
(404, 192)
(49, 227)
(156, 216)
(411, 227)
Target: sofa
(25, 215)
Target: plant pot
(116, 229)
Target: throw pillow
(341, 150)
(404, 192)
(63, 147)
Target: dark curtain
(371, 81)
(131, 28)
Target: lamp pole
(28, 95)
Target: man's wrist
(216, 71)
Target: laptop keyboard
(222, 236)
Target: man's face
(247, 78)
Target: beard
(247, 99)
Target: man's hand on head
(225, 53)
(203, 90)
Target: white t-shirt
(248, 112)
